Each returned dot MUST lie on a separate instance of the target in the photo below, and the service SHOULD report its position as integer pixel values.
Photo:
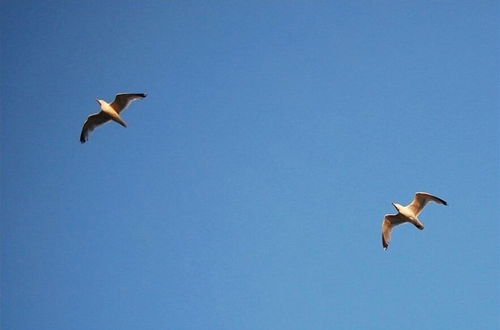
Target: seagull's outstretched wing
(92, 122)
(422, 198)
(123, 100)
(390, 220)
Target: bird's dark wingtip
(442, 201)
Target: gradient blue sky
(249, 188)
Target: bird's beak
(97, 100)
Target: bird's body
(408, 213)
(109, 111)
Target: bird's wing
(123, 100)
(390, 220)
(92, 122)
(422, 198)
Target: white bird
(108, 112)
(408, 213)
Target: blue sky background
(249, 188)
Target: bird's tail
(417, 223)
(120, 121)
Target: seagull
(408, 213)
(108, 112)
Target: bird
(109, 112)
(408, 213)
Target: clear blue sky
(249, 188)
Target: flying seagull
(108, 112)
(408, 213)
